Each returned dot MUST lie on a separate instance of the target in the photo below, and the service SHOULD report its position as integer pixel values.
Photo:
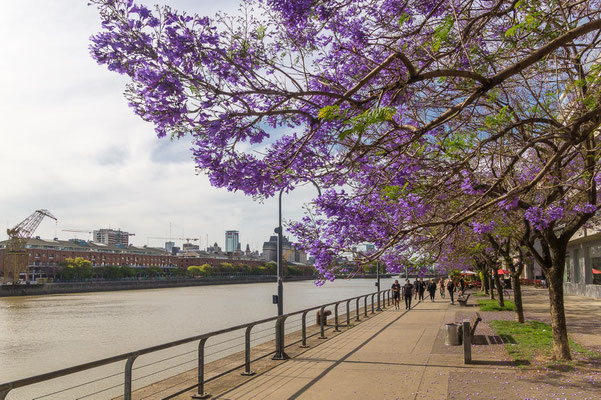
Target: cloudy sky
(70, 144)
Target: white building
(112, 237)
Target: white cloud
(70, 143)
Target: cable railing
(297, 319)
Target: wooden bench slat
(475, 320)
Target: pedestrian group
(417, 289)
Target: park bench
(463, 299)
(469, 329)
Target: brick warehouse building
(45, 256)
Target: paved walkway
(395, 355)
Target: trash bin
(453, 334)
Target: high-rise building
(232, 241)
(289, 252)
(112, 237)
(169, 246)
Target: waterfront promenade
(394, 355)
(402, 355)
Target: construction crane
(16, 257)
(175, 238)
(76, 231)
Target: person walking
(461, 286)
(432, 289)
(441, 288)
(422, 289)
(451, 290)
(396, 294)
(416, 288)
(408, 291)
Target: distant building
(232, 241)
(190, 246)
(45, 256)
(214, 249)
(169, 246)
(112, 237)
(289, 253)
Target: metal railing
(131, 357)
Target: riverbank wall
(108, 286)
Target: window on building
(576, 266)
(595, 253)
(567, 272)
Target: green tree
(75, 269)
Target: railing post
(200, 393)
(388, 293)
(128, 375)
(304, 330)
(372, 303)
(336, 318)
(322, 319)
(365, 305)
(379, 308)
(348, 313)
(247, 371)
(357, 317)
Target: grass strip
(533, 339)
(493, 305)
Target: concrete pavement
(394, 355)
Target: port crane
(16, 257)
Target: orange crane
(16, 257)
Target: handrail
(5, 388)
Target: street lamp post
(280, 354)
(378, 283)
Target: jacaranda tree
(393, 107)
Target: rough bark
(561, 346)
(485, 280)
(517, 297)
(517, 287)
(499, 287)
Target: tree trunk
(561, 346)
(485, 280)
(517, 288)
(499, 287)
(517, 297)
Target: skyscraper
(232, 241)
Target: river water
(44, 333)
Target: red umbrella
(596, 271)
(502, 272)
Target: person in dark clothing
(408, 292)
(461, 286)
(416, 287)
(451, 289)
(396, 294)
(432, 289)
(422, 289)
